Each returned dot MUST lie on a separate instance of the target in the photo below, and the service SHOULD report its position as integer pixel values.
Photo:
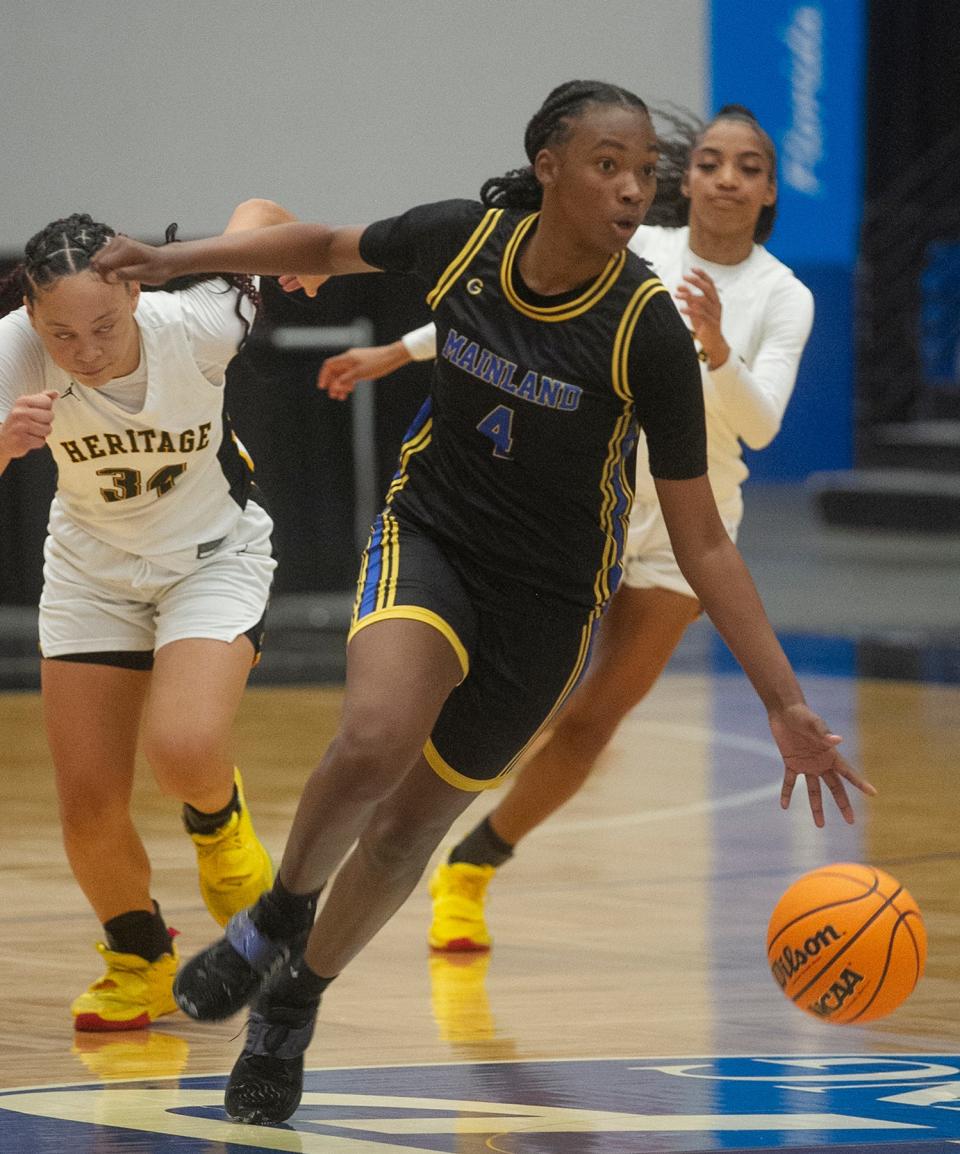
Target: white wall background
(142, 113)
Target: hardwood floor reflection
(632, 924)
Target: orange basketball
(846, 943)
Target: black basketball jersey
(520, 460)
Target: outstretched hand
(339, 375)
(123, 259)
(809, 750)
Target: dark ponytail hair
(65, 247)
(550, 125)
(684, 133)
(61, 249)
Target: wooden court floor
(631, 927)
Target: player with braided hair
(498, 548)
(157, 570)
(750, 318)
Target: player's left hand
(809, 749)
(291, 283)
(700, 304)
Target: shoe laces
(225, 838)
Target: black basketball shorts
(521, 653)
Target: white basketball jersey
(167, 479)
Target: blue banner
(799, 67)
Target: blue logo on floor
(894, 1103)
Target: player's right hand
(339, 375)
(123, 259)
(28, 424)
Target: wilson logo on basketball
(831, 1001)
(792, 960)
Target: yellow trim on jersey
(245, 456)
(582, 655)
(613, 463)
(621, 342)
(361, 583)
(474, 785)
(456, 267)
(389, 561)
(452, 777)
(416, 444)
(601, 586)
(565, 312)
(416, 613)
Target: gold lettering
(93, 446)
(73, 452)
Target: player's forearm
(293, 247)
(729, 597)
(753, 407)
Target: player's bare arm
(712, 564)
(293, 247)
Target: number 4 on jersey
(498, 426)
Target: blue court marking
(897, 1104)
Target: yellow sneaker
(458, 893)
(234, 867)
(130, 995)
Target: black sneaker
(266, 1082)
(224, 977)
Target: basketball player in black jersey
(498, 546)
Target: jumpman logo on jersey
(69, 392)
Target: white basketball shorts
(99, 599)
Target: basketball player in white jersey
(157, 570)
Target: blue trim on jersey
(368, 598)
(621, 513)
(424, 414)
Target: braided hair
(65, 248)
(520, 188)
(670, 207)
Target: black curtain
(909, 270)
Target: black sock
(197, 821)
(282, 915)
(482, 846)
(295, 987)
(139, 932)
